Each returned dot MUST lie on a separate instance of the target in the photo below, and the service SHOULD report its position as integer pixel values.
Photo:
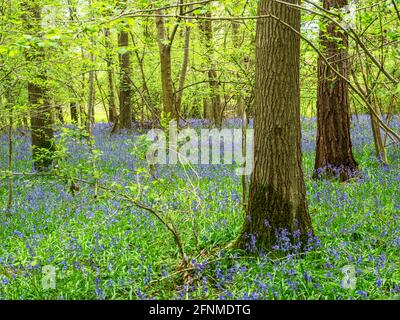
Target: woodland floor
(103, 247)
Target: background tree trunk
(112, 110)
(215, 100)
(92, 90)
(164, 44)
(92, 95)
(125, 86)
(378, 140)
(40, 112)
(182, 78)
(74, 112)
(277, 196)
(334, 149)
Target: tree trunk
(73, 105)
(166, 71)
(92, 93)
(60, 113)
(215, 99)
(112, 110)
(277, 196)
(182, 78)
(74, 112)
(334, 157)
(40, 111)
(146, 96)
(379, 144)
(92, 90)
(125, 85)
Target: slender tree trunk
(146, 96)
(241, 109)
(82, 108)
(60, 113)
(92, 89)
(379, 144)
(215, 99)
(10, 153)
(74, 112)
(164, 44)
(103, 98)
(125, 92)
(182, 78)
(277, 197)
(92, 95)
(334, 149)
(73, 105)
(112, 109)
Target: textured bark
(112, 109)
(40, 111)
(125, 92)
(164, 44)
(277, 196)
(334, 156)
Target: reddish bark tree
(334, 156)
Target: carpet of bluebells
(104, 247)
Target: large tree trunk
(40, 112)
(166, 70)
(277, 196)
(334, 149)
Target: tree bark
(215, 105)
(92, 94)
(125, 92)
(112, 109)
(92, 90)
(40, 111)
(277, 196)
(378, 140)
(334, 158)
(74, 112)
(164, 44)
(185, 63)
